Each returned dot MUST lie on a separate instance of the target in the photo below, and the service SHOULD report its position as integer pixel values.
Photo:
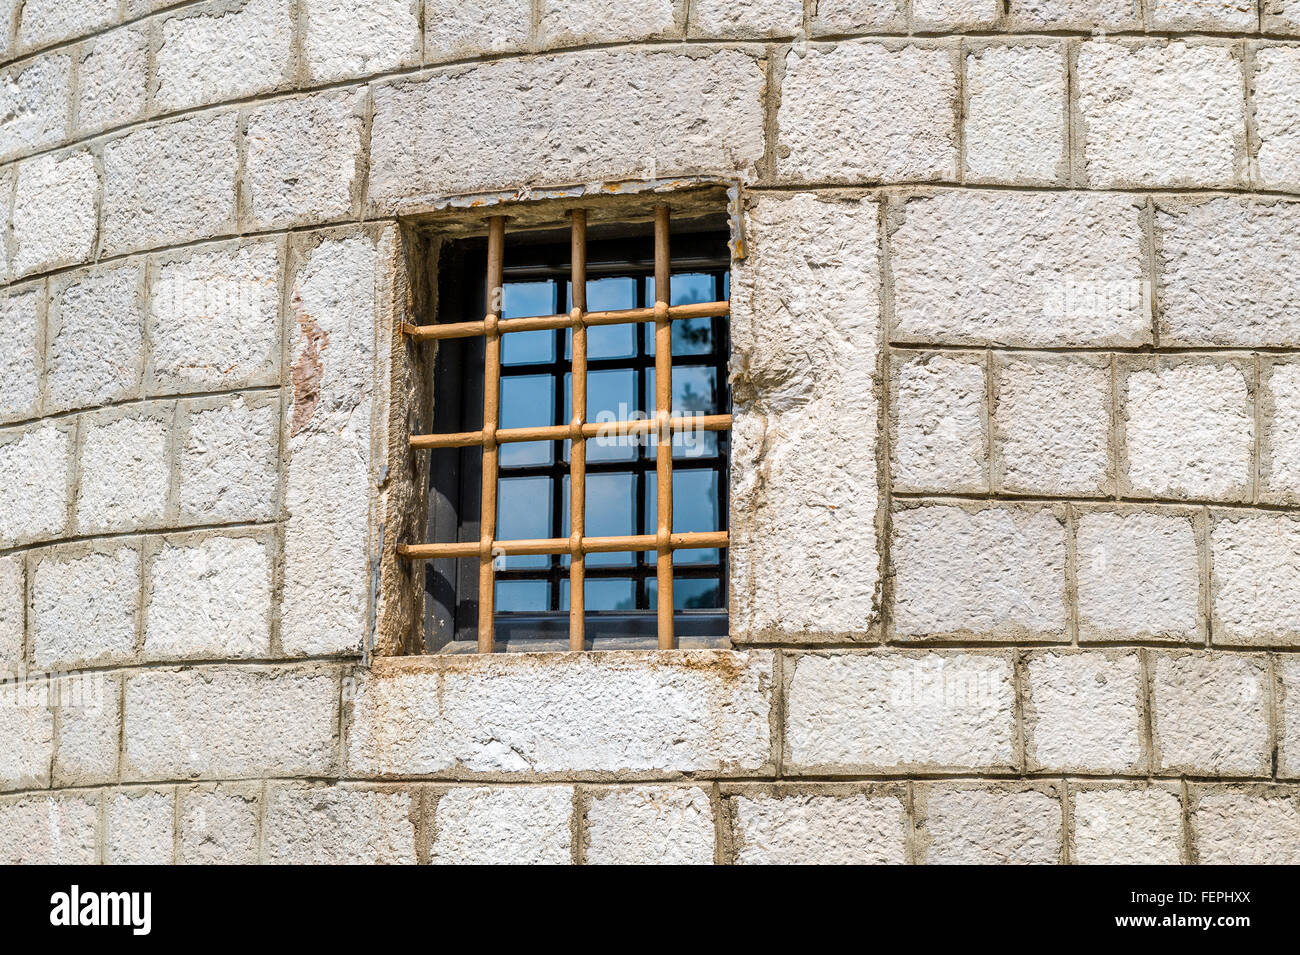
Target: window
(574, 493)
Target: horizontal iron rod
(564, 545)
(543, 322)
(558, 432)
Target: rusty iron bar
(664, 437)
(578, 443)
(539, 323)
(558, 432)
(564, 545)
(491, 418)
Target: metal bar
(543, 322)
(563, 545)
(491, 418)
(558, 432)
(578, 445)
(664, 438)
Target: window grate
(491, 436)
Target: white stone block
(885, 712)
(658, 825)
(516, 825)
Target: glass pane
(695, 391)
(527, 401)
(611, 512)
(524, 513)
(604, 593)
(688, 593)
(692, 336)
(695, 508)
(606, 341)
(523, 595)
(611, 396)
(524, 300)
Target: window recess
(581, 435)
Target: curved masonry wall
(1016, 468)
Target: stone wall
(1016, 364)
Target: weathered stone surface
(33, 483)
(834, 17)
(141, 827)
(757, 18)
(518, 825)
(170, 183)
(1161, 115)
(940, 434)
(49, 830)
(865, 111)
(1238, 292)
(798, 828)
(1138, 576)
(124, 472)
(1236, 16)
(1211, 714)
(1249, 826)
(111, 80)
(228, 459)
(34, 103)
(13, 613)
(995, 826)
(1015, 114)
(45, 22)
(342, 39)
(979, 572)
(461, 30)
(21, 317)
(1084, 712)
(225, 722)
(1189, 429)
(803, 536)
(1019, 268)
(1114, 826)
(54, 215)
(1256, 579)
(657, 825)
(1076, 14)
(218, 825)
(1287, 669)
(1279, 464)
(303, 157)
(96, 332)
(680, 711)
(1277, 117)
(214, 319)
(194, 61)
(90, 718)
(571, 22)
(1052, 426)
(1282, 16)
(85, 604)
(338, 825)
(954, 14)
(469, 130)
(328, 490)
(27, 728)
(209, 599)
(898, 710)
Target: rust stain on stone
(308, 369)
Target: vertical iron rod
(578, 441)
(491, 420)
(664, 435)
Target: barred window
(580, 436)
